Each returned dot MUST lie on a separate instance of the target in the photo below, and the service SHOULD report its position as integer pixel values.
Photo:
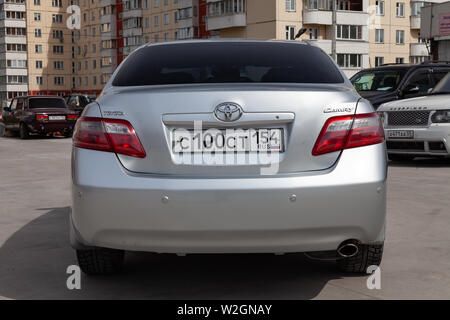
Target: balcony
(325, 45)
(226, 21)
(222, 14)
(357, 18)
(419, 50)
(134, 13)
(415, 22)
(106, 3)
(184, 4)
(317, 17)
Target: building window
(37, 16)
(59, 81)
(416, 7)
(57, 34)
(400, 37)
(147, 22)
(58, 49)
(417, 60)
(313, 33)
(379, 35)
(38, 64)
(156, 38)
(166, 37)
(349, 60)
(349, 32)
(39, 80)
(37, 2)
(290, 32)
(290, 5)
(400, 10)
(16, 64)
(57, 3)
(57, 18)
(343, 5)
(38, 48)
(155, 3)
(166, 19)
(380, 8)
(399, 60)
(156, 21)
(37, 33)
(58, 65)
(379, 61)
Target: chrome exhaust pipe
(348, 249)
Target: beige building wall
(165, 30)
(390, 50)
(44, 47)
(86, 69)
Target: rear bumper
(430, 141)
(118, 209)
(48, 127)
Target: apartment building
(368, 33)
(13, 49)
(40, 54)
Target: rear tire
(23, 132)
(368, 255)
(400, 157)
(99, 261)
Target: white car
(419, 126)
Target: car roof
(36, 96)
(227, 40)
(407, 66)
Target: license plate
(401, 134)
(57, 118)
(227, 140)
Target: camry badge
(228, 112)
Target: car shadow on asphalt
(33, 263)
(422, 163)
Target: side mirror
(7, 109)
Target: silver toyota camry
(228, 146)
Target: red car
(40, 115)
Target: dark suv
(39, 114)
(77, 102)
(398, 81)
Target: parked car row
(43, 114)
(413, 102)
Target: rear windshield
(35, 103)
(227, 62)
(379, 80)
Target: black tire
(400, 157)
(100, 260)
(68, 134)
(23, 132)
(368, 255)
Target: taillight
(111, 135)
(345, 132)
(72, 117)
(41, 117)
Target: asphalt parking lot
(35, 251)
